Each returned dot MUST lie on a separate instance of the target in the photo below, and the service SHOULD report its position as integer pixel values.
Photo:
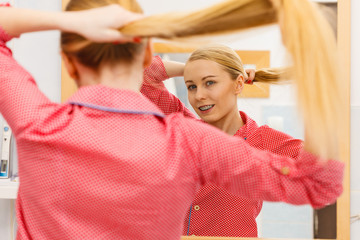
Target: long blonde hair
(231, 63)
(306, 35)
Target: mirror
(276, 220)
(274, 106)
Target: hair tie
(248, 81)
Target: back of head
(94, 54)
(222, 55)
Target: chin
(209, 119)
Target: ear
(239, 84)
(70, 66)
(148, 54)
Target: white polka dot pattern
(91, 174)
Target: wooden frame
(344, 49)
(343, 203)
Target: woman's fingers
(116, 37)
(250, 76)
(102, 24)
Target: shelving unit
(8, 189)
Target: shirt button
(285, 170)
(196, 207)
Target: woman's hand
(97, 25)
(101, 24)
(174, 69)
(250, 76)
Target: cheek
(226, 96)
(191, 98)
(220, 93)
(231, 89)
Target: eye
(191, 87)
(209, 83)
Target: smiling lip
(206, 108)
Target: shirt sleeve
(261, 175)
(154, 89)
(20, 98)
(280, 143)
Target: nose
(200, 94)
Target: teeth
(207, 107)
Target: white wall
(355, 119)
(36, 50)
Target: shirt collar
(248, 127)
(114, 100)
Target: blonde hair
(94, 54)
(231, 63)
(306, 35)
(224, 56)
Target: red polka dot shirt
(108, 165)
(216, 211)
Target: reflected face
(211, 91)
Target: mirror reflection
(215, 212)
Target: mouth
(206, 107)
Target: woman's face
(211, 91)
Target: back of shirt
(92, 174)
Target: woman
(214, 76)
(108, 164)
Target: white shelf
(8, 189)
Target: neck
(121, 76)
(230, 123)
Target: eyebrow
(204, 78)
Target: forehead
(201, 68)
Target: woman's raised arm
(97, 25)
(154, 89)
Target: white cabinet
(8, 189)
